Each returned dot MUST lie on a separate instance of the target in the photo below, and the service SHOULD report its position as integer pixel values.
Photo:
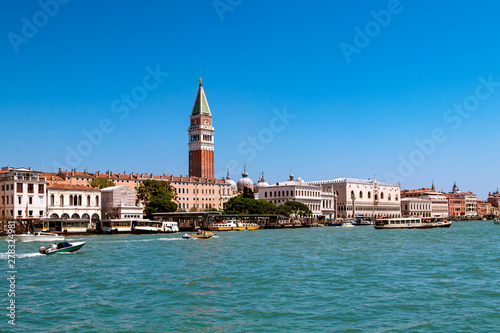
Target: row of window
(376, 196)
(20, 213)
(20, 188)
(6, 201)
(73, 200)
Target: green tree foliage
(242, 205)
(101, 183)
(297, 209)
(248, 193)
(156, 196)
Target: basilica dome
(244, 181)
(261, 183)
(231, 182)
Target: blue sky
(355, 116)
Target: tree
(248, 193)
(297, 209)
(156, 196)
(212, 209)
(193, 209)
(101, 183)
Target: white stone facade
(73, 202)
(23, 194)
(416, 207)
(119, 202)
(363, 197)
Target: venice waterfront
(329, 279)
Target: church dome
(261, 183)
(244, 181)
(231, 182)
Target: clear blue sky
(356, 118)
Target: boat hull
(39, 238)
(74, 247)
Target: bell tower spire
(201, 138)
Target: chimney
(30, 168)
(59, 169)
(73, 172)
(97, 173)
(124, 172)
(85, 170)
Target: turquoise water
(329, 279)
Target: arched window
(54, 216)
(61, 200)
(382, 196)
(65, 216)
(389, 197)
(85, 216)
(52, 200)
(397, 197)
(376, 196)
(369, 195)
(96, 201)
(75, 216)
(88, 200)
(361, 194)
(79, 200)
(71, 200)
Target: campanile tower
(201, 138)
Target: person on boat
(53, 246)
(199, 232)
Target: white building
(73, 201)
(23, 193)
(120, 202)
(470, 204)
(416, 207)
(300, 191)
(363, 197)
(439, 202)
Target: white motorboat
(39, 237)
(348, 224)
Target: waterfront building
(486, 209)
(494, 198)
(295, 190)
(260, 183)
(120, 202)
(23, 194)
(461, 203)
(439, 201)
(416, 207)
(201, 138)
(369, 198)
(65, 201)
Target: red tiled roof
(71, 187)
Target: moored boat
(116, 226)
(496, 221)
(236, 225)
(412, 223)
(39, 237)
(62, 247)
(144, 226)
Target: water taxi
(202, 235)
(230, 225)
(412, 223)
(169, 226)
(39, 237)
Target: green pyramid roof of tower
(201, 104)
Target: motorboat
(347, 224)
(39, 237)
(412, 223)
(233, 225)
(62, 247)
(496, 221)
(202, 235)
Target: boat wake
(5, 256)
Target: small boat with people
(233, 225)
(39, 237)
(201, 234)
(61, 247)
(496, 221)
(412, 223)
(347, 224)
